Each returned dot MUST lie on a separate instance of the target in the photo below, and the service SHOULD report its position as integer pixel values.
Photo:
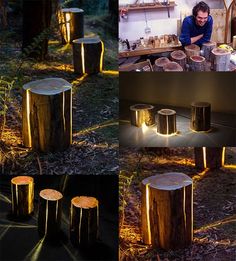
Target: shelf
(148, 6)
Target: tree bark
(159, 64)
(47, 115)
(207, 48)
(200, 116)
(179, 57)
(221, 59)
(197, 63)
(142, 113)
(167, 210)
(166, 122)
(172, 67)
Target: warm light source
(67, 22)
(101, 57)
(204, 157)
(148, 213)
(223, 157)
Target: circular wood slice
(166, 210)
(84, 221)
(159, 64)
(47, 114)
(179, 57)
(221, 59)
(22, 190)
(207, 48)
(166, 122)
(142, 113)
(88, 55)
(172, 67)
(49, 217)
(197, 63)
(200, 116)
(192, 50)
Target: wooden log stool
(166, 122)
(200, 116)
(197, 63)
(192, 50)
(167, 210)
(71, 23)
(47, 115)
(172, 67)
(142, 114)
(49, 216)
(84, 221)
(221, 59)
(159, 63)
(179, 57)
(207, 48)
(22, 190)
(88, 55)
(209, 157)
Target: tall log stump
(159, 64)
(49, 216)
(142, 113)
(197, 63)
(209, 157)
(200, 116)
(221, 59)
(88, 55)
(172, 67)
(167, 210)
(47, 115)
(84, 221)
(192, 50)
(166, 122)
(22, 190)
(207, 48)
(179, 57)
(72, 24)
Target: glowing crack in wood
(223, 157)
(28, 116)
(82, 58)
(148, 213)
(80, 223)
(204, 157)
(101, 57)
(68, 27)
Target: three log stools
(167, 210)
(47, 114)
(142, 114)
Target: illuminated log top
(172, 66)
(192, 47)
(220, 51)
(50, 194)
(197, 58)
(72, 10)
(84, 202)
(200, 104)
(88, 40)
(166, 112)
(138, 107)
(178, 54)
(22, 180)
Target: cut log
(200, 116)
(88, 55)
(142, 113)
(72, 24)
(159, 63)
(221, 59)
(209, 157)
(47, 115)
(22, 190)
(179, 57)
(192, 50)
(197, 63)
(166, 122)
(207, 48)
(167, 210)
(172, 67)
(49, 217)
(84, 221)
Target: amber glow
(230, 166)
(200, 175)
(201, 131)
(82, 58)
(67, 27)
(28, 116)
(147, 213)
(204, 157)
(223, 157)
(167, 135)
(101, 57)
(110, 72)
(79, 80)
(34, 253)
(144, 127)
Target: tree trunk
(192, 50)
(142, 113)
(166, 122)
(88, 55)
(179, 57)
(172, 67)
(197, 63)
(47, 115)
(207, 48)
(159, 64)
(221, 59)
(200, 116)
(84, 221)
(22, 190)
(49, 217)
(167, 210)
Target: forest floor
(214, 206)
(94, 149)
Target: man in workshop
(197, 28)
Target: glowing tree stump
(197, 63)
(88, 55)
(166, 122)
(84, 221)
(159, 64)
(167, 210)
(72, 24)
(22, 190)
(200, 116)
(207, 48)
(221, 59)
(49, 217)
(172, 67)
(142, 114)
(209, 157)
(179, 57)
(192, 50)
(47, 114)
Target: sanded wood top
(162, 61)
(140, 107)
(48, 86)
(200, 104)
(50, 194)
(88, 40)
(192, 47)
(197, 58)
(84, 202)
(178, 54)
(22, 180)
(168, 181)
(72, 10)
(166, 112)
(220, 51)
(172, 66)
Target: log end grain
(72, 10)
(178, 55)
(160, 62)
(138, 107)
(50, 194)
(166, 112)
(22, 180)
(220, 51)
(192, 47)
(84, 202)
(172, 67)
(197, 59)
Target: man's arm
(207, 35)
(196, 38)
(185, 33)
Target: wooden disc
(72, 10)
(139, 107)
(22, 180)
(50, 194)
(197, 58)
(192, 47)
(87, 40)
(178, 55)
(166, 112)
(220, 51)
(84, 202)
(172, 66)
(160, 62)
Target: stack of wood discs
(221, 59)
(49, 217)
(142, 113)
(167, 210)
(172, 67)
(22, 190)
(160, 63)
(47, 114)
(179, 57)
(166, 122)
(197, 63)
(84, 221)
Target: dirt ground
(214, 205)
